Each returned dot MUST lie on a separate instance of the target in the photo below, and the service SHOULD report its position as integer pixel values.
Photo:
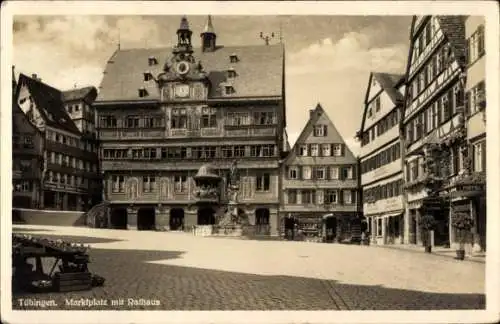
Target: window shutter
(299, 172)
(342, 148)
(341, 173)
(340, 197)
(483, 155)
(308, 149)
(325, 130)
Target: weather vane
(267, 37)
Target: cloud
(335, 73)
(353, 52)
(74, 49)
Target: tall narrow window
(180, 183)
(306, 172)
(325, 149)
(337, 149)
(179, 118)
(208, 118)
(331, 197)
(263, 182)
(133, 121)
(314, 150)
(478, 157)
(149, 183)
(264, 118)
(303, 150)
(347, 197)
(334, 172)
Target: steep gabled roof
(314, 117)
(48, 101)
(86, 93)
(389, 82)
(16, 110)
(453, 28)
(259, 72)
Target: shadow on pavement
(24, 230)
(129, 275)
(73, 239)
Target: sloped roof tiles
(259, 72)
(49, 100)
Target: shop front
(470, 198)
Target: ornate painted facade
(164, 112)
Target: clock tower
(182, 72)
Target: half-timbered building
(380, 154)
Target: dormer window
(233, 58)
(148, 76)
(231, 73)
(143, 92)
(152, 61)
(229, 90)
(320, 130)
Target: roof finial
(184, 23)
(209, 28)
(267, 37)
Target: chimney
(35, 77)
(311, 113)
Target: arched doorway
(118, 218)
(289, 224)
(146, 219)
(176, 219)
(330, 228)
(206, 216)
(262, 216)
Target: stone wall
(49, 217)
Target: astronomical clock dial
(182, 67)
(182, 90)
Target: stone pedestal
(229, 230)
(131, 218)
(162, 219)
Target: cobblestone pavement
(184, 272)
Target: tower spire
(209, 28)
(184, 36)
(208, 37)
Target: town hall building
(164, 112)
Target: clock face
(182, 67)
(182, 90)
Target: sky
(328, 58)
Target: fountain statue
(208, 192)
